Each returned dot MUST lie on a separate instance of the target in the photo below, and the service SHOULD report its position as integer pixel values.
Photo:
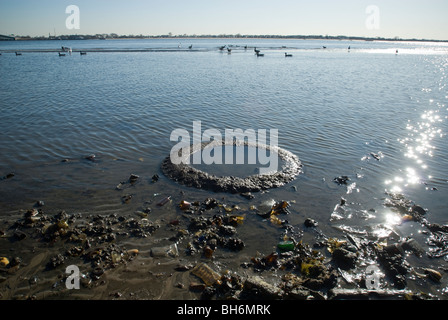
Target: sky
(422, 19)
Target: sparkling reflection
(419, 146)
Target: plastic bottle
(285, 246)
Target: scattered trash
(206, 274)
(376, 156)
(164, 201)
(433, 274)
(285, 246)
(166, 251)
(4, 261)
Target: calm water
(332, 109)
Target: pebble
(341, 180)
(310, 223)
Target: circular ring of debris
(184, 174)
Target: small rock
(10, 175)
(418, 210)
(299, 294)
(90, 157)
(344, 259)
(19, 235)
(434, 227)
(40, 203)
(210, 203)
(133, 178)
(413, 246)
(126, 199)
(341, 180)
(208, 252)
(255, 286)
(16, 261)
(184, 267)
(33, 280)
(195, 286)
(247, 195)
(310, 223)
(31, 213)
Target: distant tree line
(244, 36)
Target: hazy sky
(402, 18)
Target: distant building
(6, 38)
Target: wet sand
(126, 256)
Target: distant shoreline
(237, 36)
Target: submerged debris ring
(184, 174)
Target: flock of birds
(229, 50)
(60, 53)
(257, 51)
(69, 50)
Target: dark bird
(260, 54)
(288, 55)
(83, 53)
(222, 48)
(324, 47)
(61, 54)
(256, 50)
(18, 53)
(191, 46)
(229, 50)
